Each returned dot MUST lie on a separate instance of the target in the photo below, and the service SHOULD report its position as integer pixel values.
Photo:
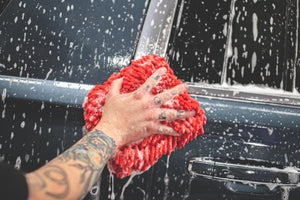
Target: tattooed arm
(126, 118)
(72, 174)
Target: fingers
(115, 87)
(150, 83)
(166, 130)
(166, 114)
(157, 128)
(165, 96)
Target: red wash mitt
(139, 157)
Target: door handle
(248, 173)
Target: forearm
(72, 174)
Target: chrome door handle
(244, 173)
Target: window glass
(198, 43)
(77, 41)
(237, 42)
(257, 52)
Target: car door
(241, 61)
(234, 56)
(53, 53)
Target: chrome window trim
(285, 99)
(47, 91)
(157, 28)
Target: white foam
(167, 179)
(251, 88)
(111, 186)
(228, 50)
(296, 59)
(285, 193)
(3, 97)
(18, 163)
(254, 26)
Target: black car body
(241, 60)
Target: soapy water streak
(296, 58)
(228, 50)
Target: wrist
(110, 132)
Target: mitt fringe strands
(138, 157)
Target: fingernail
(176, 134)
(162, 69)
(185, 86)
(192, 113)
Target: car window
(237, 42)
(73, 41)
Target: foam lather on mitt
(137, 157)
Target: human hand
(131, 117)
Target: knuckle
(157, 100)
(173, 114)
(156, 77)
(170, 131)
(168, 95)
(178, 89)
(151, 126)
(150, 82)
(149, 115)
(162, 115)
(174, 92)
(138, 94)
(180, 113)
(160, 130)
(147, 103)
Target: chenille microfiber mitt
(138, 157)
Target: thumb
(115, 87)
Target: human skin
(126, 118)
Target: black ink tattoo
(58, 176)
(171, 132)
(91, 154)
(157, 100)
(162, 116)
(160, 130)
(88, 156)
(174, 92)
(156, 77)
(180, 114)
(146, 88)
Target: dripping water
(126, 185)
(296, 48)
(188, 191)
(166, 179)
(4, 104)
(111, 186)
(285, 193)
(95, 191)
(228, 50)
